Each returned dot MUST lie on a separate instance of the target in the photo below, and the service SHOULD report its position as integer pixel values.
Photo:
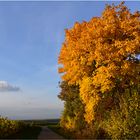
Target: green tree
(72, 118)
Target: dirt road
(46, 133)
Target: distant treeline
(42, 121)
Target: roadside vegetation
(59, 130)
(10, 129)
(100, 69)
(28, 129)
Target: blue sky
(31, 34)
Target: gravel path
(46, 133)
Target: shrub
(124, 121)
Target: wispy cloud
(5, 86)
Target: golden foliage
(98, 55)
(8, 127)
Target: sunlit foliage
(101, 58)
(124, 122)
(98, 50)
(9, 127)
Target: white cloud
(5, 86)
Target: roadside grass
(56, 128)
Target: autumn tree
(101, 57)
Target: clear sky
(31, 34)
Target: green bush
(124, 121)
(9, 128)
